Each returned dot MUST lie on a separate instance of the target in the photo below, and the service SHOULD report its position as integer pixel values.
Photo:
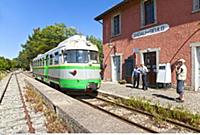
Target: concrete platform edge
(73, 125)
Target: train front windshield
(81, 56)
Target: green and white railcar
(72, 65)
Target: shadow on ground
(164, 96)
(129, 86)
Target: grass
(53, 123)
(177, 113)
(2, 74)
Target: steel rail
(27, 116)
(119, 117)
(177, 123)
(4, 91)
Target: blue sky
(19, 17)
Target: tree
(98, 43)
(42, 40)
(5, 64)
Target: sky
(19, 17)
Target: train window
(76, 56)
(51, 60)
(94, 57)
(40, 62)
(56, 58)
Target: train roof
(73, 43)
(78, 42)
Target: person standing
(181, 74)
(144, 71)
(136, 77)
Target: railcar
(72, 66)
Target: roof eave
(100, 17)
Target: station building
(152, 32)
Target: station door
(150, 63)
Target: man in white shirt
(181, 74)
(144, 70)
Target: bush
(122, 82)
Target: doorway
(198, 65)
(128, 66)
(150, 63)
(116, 68)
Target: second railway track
(14, 116)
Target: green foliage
(43, 40)
(97, 42)
(5, 64)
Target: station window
(56, 58)
(76, 56)
(116, 25)
(148, 12)
(196, 5)
(51, 60)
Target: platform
(79, 116)
(162, 96)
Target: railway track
(146, 120)
(102, 106)
(174, 122)
(4, 91)
(136, 117)
(15, 115)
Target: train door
(116, 68)
(46, 69)
(150, 63)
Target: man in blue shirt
(136, 77)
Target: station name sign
(150, 31)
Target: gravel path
(12, 116)
(163, 96)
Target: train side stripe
(70, 67)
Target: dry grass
(53, 123)
(2, 74)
